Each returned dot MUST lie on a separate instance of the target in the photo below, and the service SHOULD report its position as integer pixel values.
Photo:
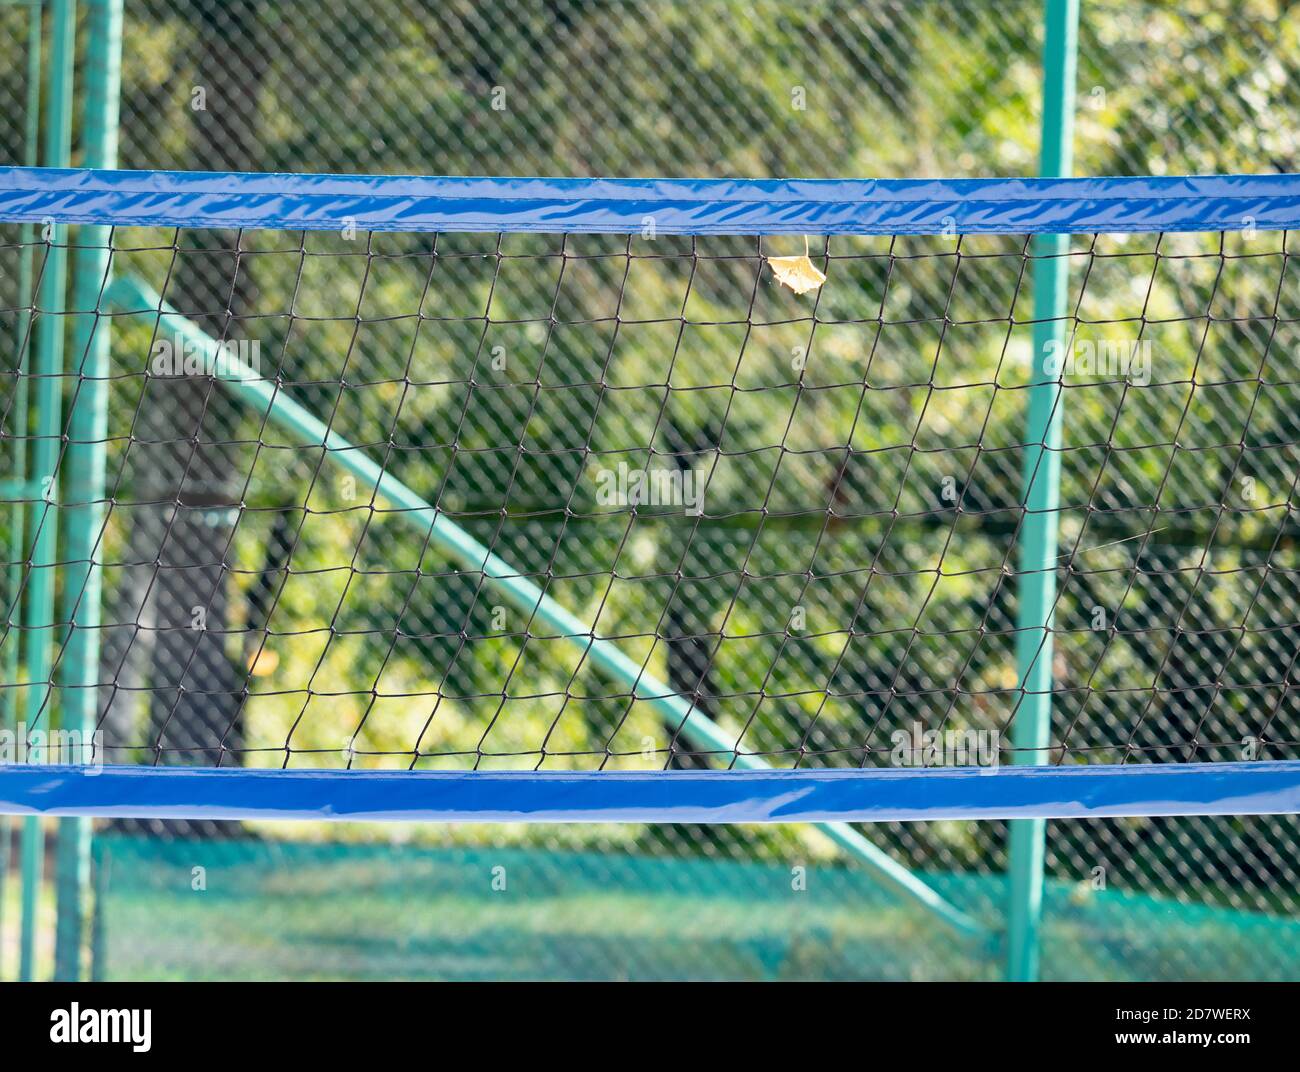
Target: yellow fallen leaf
(797, 273)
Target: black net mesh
(800, 511)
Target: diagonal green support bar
(84, 473)
(129, 295)
(1031, 724)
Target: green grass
(275, 910)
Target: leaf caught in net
(797, 273)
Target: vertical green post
(22, 347)
(84, 471)
(1031, 727)
(38, 611)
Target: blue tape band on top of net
(645, 206)
(882, 795)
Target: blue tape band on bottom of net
(876, 795)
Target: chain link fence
(640, 87)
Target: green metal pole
(129, 294)
(84, 467)
(39, 609)
(1031, 725)
(22, 348)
